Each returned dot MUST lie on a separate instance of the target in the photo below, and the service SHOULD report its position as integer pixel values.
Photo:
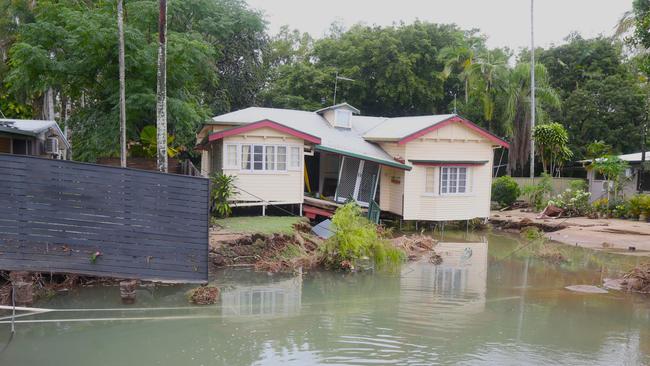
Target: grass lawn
(259, 224)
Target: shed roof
(635, 157)
(632, 158)
(30, 127)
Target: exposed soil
(613, 235)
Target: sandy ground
(610, 235)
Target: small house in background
(636, 179)
(430, 168)
(33, 137)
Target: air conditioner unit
(52, 145)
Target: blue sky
(505, 22)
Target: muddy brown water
(482, 306)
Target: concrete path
(612, 235)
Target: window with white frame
(453, 180)
(342, 118)
(262, 157)
(429, 183)
(231, 157)
(281, 158)
(294, 157)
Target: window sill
(433, 195)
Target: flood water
(483, 306)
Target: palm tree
(161, 91)
(457, 58)
(518, 110)
(487, 74)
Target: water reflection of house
(453, 289)
(282, 298)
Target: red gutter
(264, 124)
(449, 121)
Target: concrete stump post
(23, 288)
(127, 291)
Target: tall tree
(161, 91)
(215, 48)
(518, 110)
(120, 31)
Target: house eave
(363, 157)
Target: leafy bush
(574, 200)
(639, 205)
(537, 194)
(505, 190)
(601, 206)
(222, 190)
(356, 239)
(147, 145)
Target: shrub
(356, 239)
(222, 190)
(505, 190)
(574, 200)
(601, 206)
(639, 205)
(537, 194)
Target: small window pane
(270, 158)
(295, 157)
(282, 158)
(246, 157)
(231, 155)
(428, 188)
(258, 157)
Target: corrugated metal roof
(397, 128)
(350, 140)
(30, 127)
(634, 157)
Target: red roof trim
(449, 121)
(266, 123)
(447, 164)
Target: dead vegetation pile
(204, 295)
(638, 279)
(417, 246)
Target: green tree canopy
(70, 47)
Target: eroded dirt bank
(612, 235)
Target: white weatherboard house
(432, 168)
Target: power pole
(532, 88)
(120, 31)
(161, 92)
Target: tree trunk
(120, 31)
(48, 105)
(161, 100)
(466, 90)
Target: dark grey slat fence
(55, 214)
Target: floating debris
(638, 279)
(204, 295)
(587, 289)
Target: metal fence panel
(55, 215)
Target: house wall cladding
(55, 214)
